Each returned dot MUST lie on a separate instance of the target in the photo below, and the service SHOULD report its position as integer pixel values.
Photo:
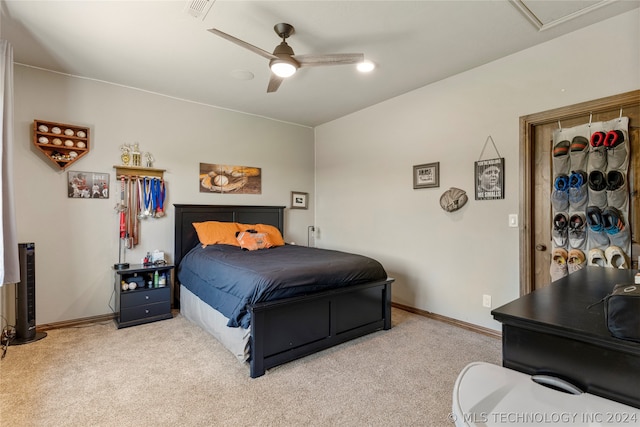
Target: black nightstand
(148, 301)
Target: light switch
(513, 220)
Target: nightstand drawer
(145, 311)
(151, 296)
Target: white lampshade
(283, 69)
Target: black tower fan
(26, 297)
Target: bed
(270, 331)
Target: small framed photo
(426, 175)
(299, 200)
(88, 185)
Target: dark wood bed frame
(287, 329)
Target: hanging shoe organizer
(63, 144)
(590, 196)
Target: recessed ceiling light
(242, 74)
(366, 66)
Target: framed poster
(88, 185)
(426, 175)
(489, 179)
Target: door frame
(527, 171)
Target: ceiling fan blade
(274, 83)
(329, 59)
(242, 43)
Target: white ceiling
(157, 46)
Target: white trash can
(490, 395)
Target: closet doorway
(536, 135)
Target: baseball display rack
(63, 144)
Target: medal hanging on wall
(133, 207)
(132, 218)
(154, 198)
(161, 194)
(140, 202)
(122, 209)
(122, 232)
(128, 238)
(147, 196)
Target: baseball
(81, 134)
(43, 140)
(43, 128)
(80, 144)
(220, 180)
(56, 130)
(68, 132)
(57, 141)
(68, 143)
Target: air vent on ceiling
(198, 8)
(545, 15)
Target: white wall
(444, 262)
(363, 196)
(77, 240)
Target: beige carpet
(171, 373)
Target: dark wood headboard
(185, 215)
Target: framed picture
(299, 200)
(427, 175)
(233, 179)
(88, 185)
(489, 179)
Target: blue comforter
(229, 278)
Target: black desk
(552, 331)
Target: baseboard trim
(459, 323)
(76, 322)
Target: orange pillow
(274, 234)
(215, 232)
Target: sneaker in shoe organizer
(560, 154)
(616, 258)
(577, 231)
(597, 152)
(596, 236)
(576, 260)
(578, 193)
(615, 227)
(597, 184)
(617, 190)
(560, 231)
(558, 268)
(617, 145)
(560, 193)
(579, 152)
(596, 258)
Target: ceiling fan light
(283, 68)
(366, 66)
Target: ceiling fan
(283, 62)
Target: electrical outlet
(486, 301)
